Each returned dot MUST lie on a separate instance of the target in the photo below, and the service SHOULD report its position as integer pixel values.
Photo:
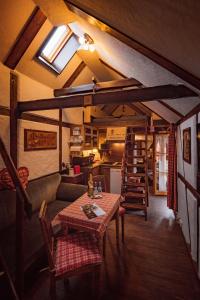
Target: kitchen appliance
(115, 180)
(81, 160)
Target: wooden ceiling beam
(75, 74)
(26, 36)
(136, 109)
(93, 19)
(109, 109)
(143, 108)
(99, 86)
(112, 97)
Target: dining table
(73, 216)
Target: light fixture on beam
(86, 42)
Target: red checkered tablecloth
(73, 216)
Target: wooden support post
(13, 117)
(60, 140)
(19, 202)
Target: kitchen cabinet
(90, 137)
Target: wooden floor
(153, 263)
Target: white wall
(187, 203)
(39, 162)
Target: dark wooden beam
(113, 97)
(26, 36)
(42, 119)
(75, 74)
(160, 123)
(99, 86)
(60, 140)
(143, 108)
(5, 111)
(109, 109)
(13, 117)
(119, 122)
(136, 109)
(93, 19)
(171, 108)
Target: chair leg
(122, 228)
(52, 288)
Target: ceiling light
(86, 42)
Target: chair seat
(76, 251)
(122, 211)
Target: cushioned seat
(58, 195)
(76, 251)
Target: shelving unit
(90, 137)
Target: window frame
(49, 65)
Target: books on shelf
(92, 210)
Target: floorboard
(152, 264)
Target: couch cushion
(70, 192)
(43, 189)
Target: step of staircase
(133, 184)
(135, 165)
(134, 206)
(134, 195)
(135, 174)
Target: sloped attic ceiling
(128, 61)
(115, 53)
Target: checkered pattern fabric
(76, 251)
(121, 211)
(74, 217)
(6, 180)
(172, 170)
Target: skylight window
(58, 48)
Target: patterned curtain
(172, 170)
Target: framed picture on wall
(39, 140)
(187, 145)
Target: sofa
(57, 194)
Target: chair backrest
(47, 234)
(101, 178)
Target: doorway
(160, 164)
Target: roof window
(58, 49)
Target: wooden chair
(101, 178)
(68, 255)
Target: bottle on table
(90, 186)
(99, 187)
